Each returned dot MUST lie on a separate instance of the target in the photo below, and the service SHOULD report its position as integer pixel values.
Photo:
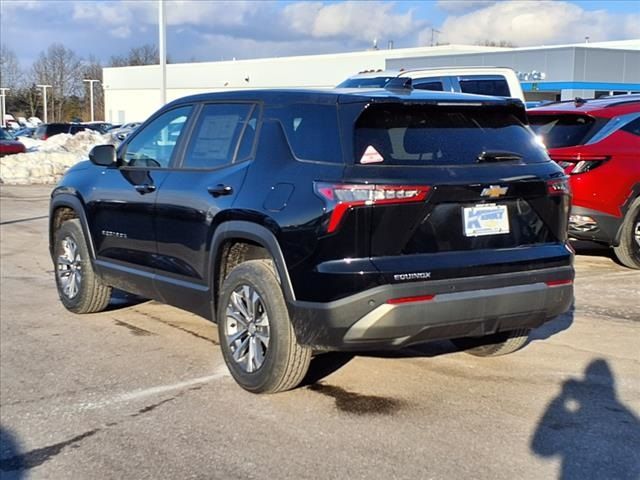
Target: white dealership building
(546, 73)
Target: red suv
(597, 142)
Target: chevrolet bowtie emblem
(494, 191)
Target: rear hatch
(564, 134)
(451, 190)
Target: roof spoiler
(399, 83)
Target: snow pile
(46, 162)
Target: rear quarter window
(311, 130)
(424, 135)
(485, 86)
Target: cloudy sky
(212, 30)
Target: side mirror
(103, 155)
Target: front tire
(628, 252)
(501, 343)
(79, 288)
(257, 339)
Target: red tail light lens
(341, 197)
(419, 298)
(558, 283)
(575, 164)
(558, 187)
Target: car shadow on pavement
(587, 427)
(592, 249)
(551, 328)
(324, 364)
(121, 299)
(11, 466)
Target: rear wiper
(498, 156)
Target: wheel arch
(66, 206)
(252, 234)
(633, 196)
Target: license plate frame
(485, 219)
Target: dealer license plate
(485, 220)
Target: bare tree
(10, 73)
(92, 69)
(61, 68)
(142, 55)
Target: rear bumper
(473, 306)
(604, 227)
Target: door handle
(145, 188)
(220, 190)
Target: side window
(484, 86)
(312, 130)
(153, 145)
(633, 127)
(435, 85)
(215, 137)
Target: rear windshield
(559, 131)
(424, 135)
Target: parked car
(101, 127)
(25, 132)
(497, 81)
(597, 142)
(10, 123)
(9, 144)
(47, 130)
(119, 134)
(309, 221)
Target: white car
(121, 133)
(495, 81)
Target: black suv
(309, 221)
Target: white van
(496, 81)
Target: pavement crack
(39, 456)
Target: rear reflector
(342, 197)
(419, 298)
(558, 283)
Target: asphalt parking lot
(141, 391)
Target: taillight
(558, 283)
(575, 164)
(341, 197)
(558, 186)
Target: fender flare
(72, 201)
(242, 230)
(633, 195)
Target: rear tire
(501, 343)
(628, 252)
(79, 288)
(257, 339)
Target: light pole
(3, 105)
(162, 39)
(91, 82)
(44, 98)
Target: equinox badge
(494, 191)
